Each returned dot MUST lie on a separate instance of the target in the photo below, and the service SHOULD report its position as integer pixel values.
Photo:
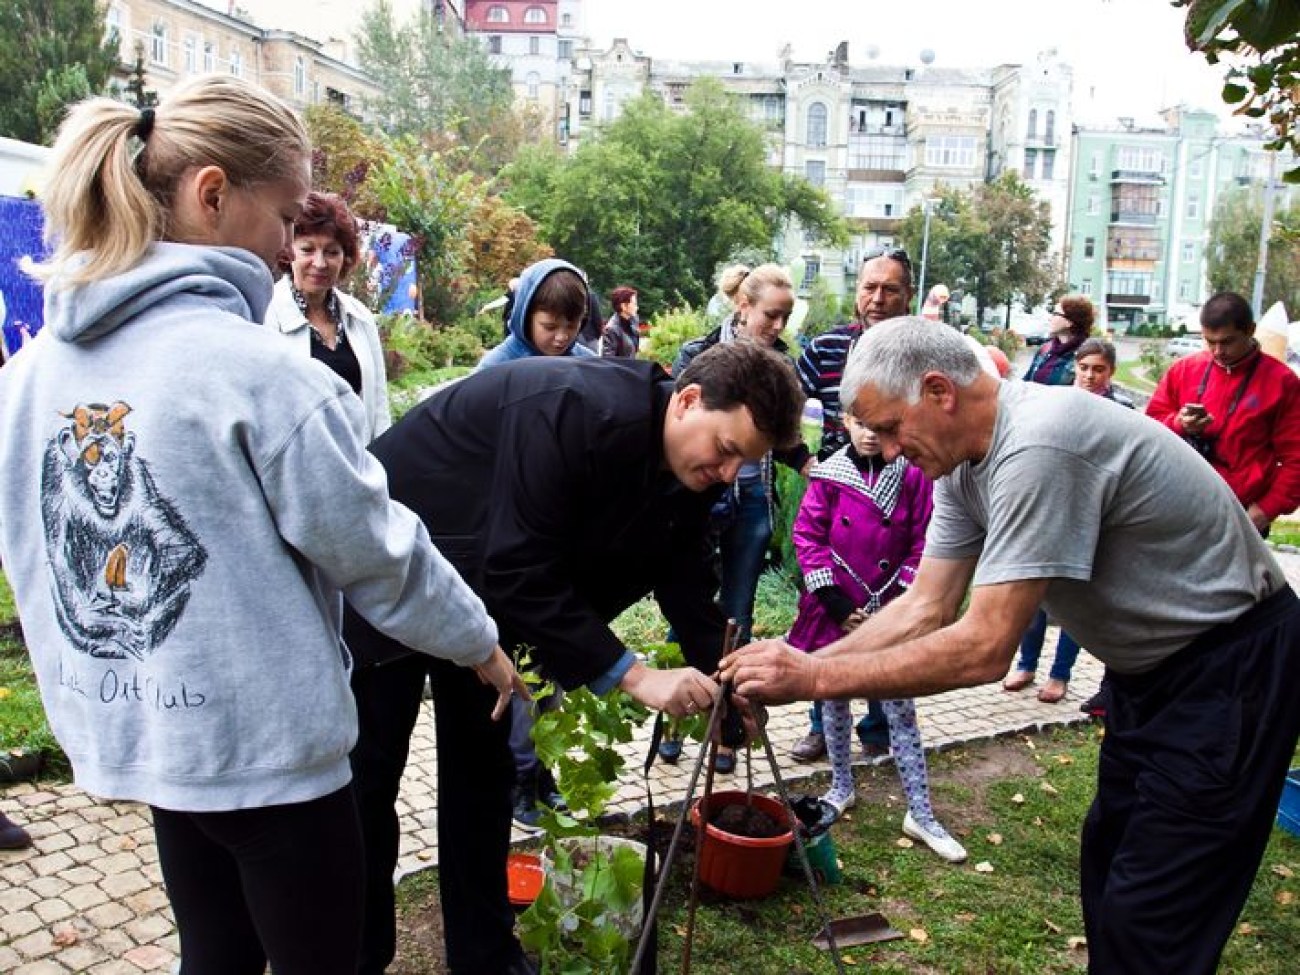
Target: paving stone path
(88, 896)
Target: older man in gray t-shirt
(1052, 495)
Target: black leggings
(280, 884)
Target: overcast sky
(1128, 55)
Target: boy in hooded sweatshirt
(548, 306)
(547, 309)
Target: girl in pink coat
(859, 536)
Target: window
(565, 50)
(112, 22)
(534, 82)
(873, 200)
(1089, 248)
(950, 151)
(236, 63)
(1141, 159)
(1049, 163)
(1189, 252)
(1129, 283)
(534, 15)
(1086, 286)
(498, 15)
(816, 125)
(1184, 291)
(609, 107)
(189, 55)
(494, 44)
(812, 269)
(299, 76)
(566, 20)
(1094, 204)
(1033, 123)
(584, 103)
(158, 44)
(1095, 169)
(534, 45)
(1193, 205)
(1196, 167)
(1031, 163)
(1050, 134)
(814, 170)
(209, 56)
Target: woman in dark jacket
(1070, 324)
(622, 336)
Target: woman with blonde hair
(184, 498)
(763, 298)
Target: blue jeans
(1031, 645)
(743, 548)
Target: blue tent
(21, 301)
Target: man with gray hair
(1050, 495)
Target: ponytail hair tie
(145, 126)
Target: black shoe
(521, 966)
(524, 800)
(1095, 706)
(548, 793)
(13, 836)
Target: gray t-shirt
(1144, 543)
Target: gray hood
(231, 278)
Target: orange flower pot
(742, 867)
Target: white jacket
(362, 334)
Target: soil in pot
(746, 820)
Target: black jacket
(542, 481)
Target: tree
(43, 43)
(658, 199)
(434, 83)
(1234, 250)
(993, 241)
(1264, 36)
(343, 154)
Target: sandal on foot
(1018, 680)
(1053, 691)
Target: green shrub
(406, 344)
(670, 332)
(454, 345)
(1153, 358)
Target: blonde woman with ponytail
(763, 298)
(183, 498)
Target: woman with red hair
(330, 326)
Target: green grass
(1017, 805)
(1133, 375)
(23, 729)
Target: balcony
(1130, 301)
(1135, 217)
(1136, 176)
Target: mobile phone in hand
(1197, 409)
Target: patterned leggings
(904, 744)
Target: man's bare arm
(975, 649)
(931, 602)
(928, 657)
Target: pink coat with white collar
(864, 537)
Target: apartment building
(181, 38)
(879, 139)
(1141, 202)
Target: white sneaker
(936, 839)
(841, 805)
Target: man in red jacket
(1240, 408)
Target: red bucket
(742, 867)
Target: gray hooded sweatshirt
(182, 498)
